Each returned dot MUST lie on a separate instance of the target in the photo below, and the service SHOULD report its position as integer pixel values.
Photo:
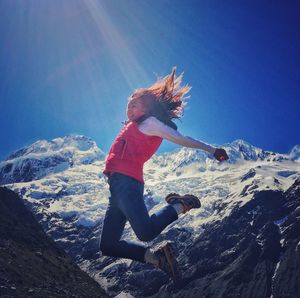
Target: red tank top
(130, 150)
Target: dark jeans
(127, 203)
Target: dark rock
(251, 173)
(30, 262)
(243, 255)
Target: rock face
(254, 252)
(31, 265)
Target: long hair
(164, 99)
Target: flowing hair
(164, 99)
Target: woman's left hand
(220, 154)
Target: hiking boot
(167, 261)
(188, 201)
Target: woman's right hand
(220, 154)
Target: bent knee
(145, 236)
(105, 249)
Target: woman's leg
(131, 202)
(146, 227)
(127, 203)
(110, 243)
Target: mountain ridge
(49, 157)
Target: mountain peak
(72, 141)
(295, 152)
(46, 157)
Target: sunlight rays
(130, 68)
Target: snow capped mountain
(240, 149)
(46, 157)
(295, 153)
(62, 183)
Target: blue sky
(68, 67)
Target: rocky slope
(31, 265)
(254, 252)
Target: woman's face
(135, 109)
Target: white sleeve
(153, 127)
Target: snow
(274, 276)
(295, 153)
(124, 295)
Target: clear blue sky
(69, 66)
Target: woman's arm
(153, 127)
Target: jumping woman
(150, 112)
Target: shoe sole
(172, 198)
(168, 251)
